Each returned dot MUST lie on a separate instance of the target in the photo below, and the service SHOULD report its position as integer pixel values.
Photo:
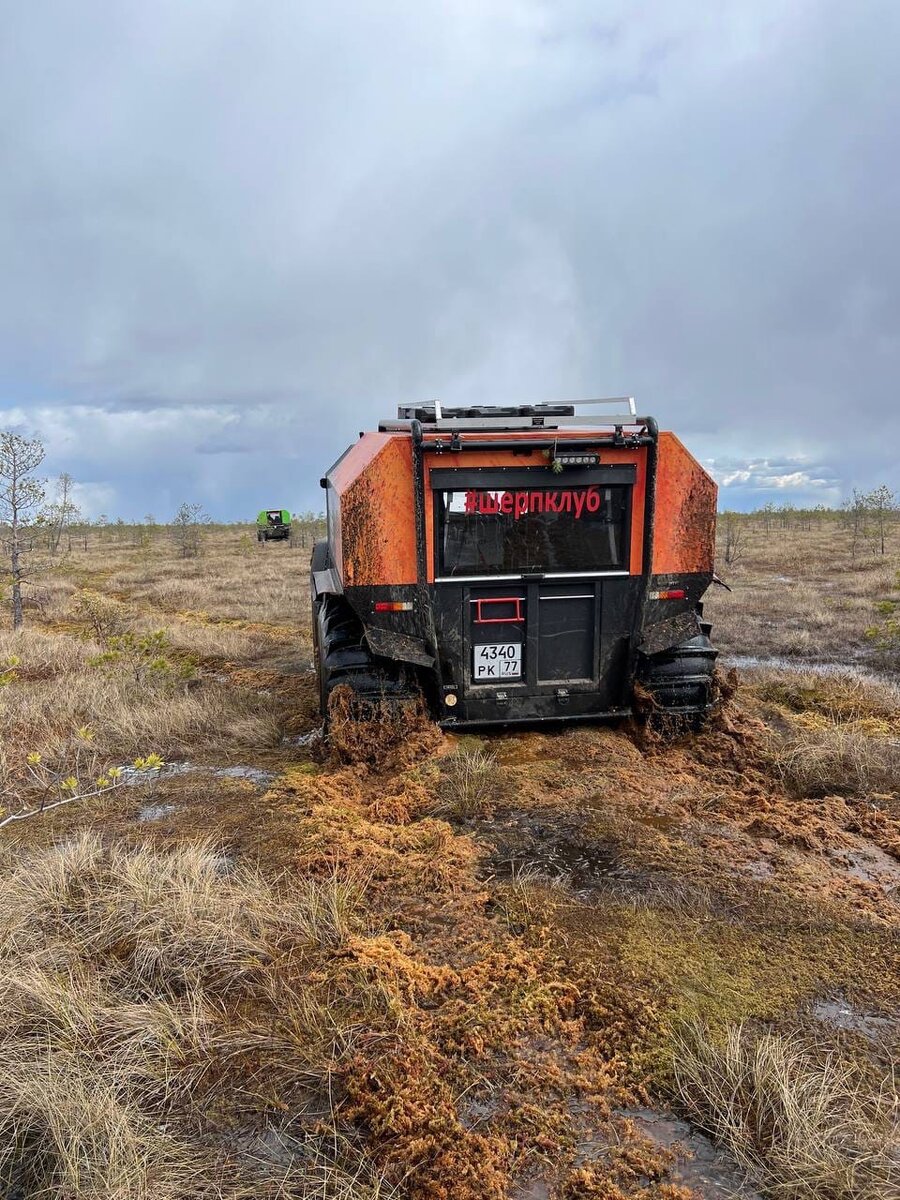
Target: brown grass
(839, 695)
(470, 785)
(799, 593)
(128, 719)
(140, 999)
(837, 732)
(835, 759)
(805, 1123)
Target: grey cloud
(240, 231)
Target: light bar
(672, 594)
(393, 606)
(578, 460)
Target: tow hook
(562, 695)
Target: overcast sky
(233, 234)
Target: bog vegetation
(237, 962)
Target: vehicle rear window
(513, 531)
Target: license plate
(498, 660)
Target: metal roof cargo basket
(434, 416)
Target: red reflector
(393, 606)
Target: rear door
(531, 551)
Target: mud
(525, 844)
(692, 1160)
(699, 1163)
(842, 1015)
(155, 812)
(871, 865)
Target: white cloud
(92, 499)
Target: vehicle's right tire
(680, 680)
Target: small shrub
(100, 617)
(147, 658)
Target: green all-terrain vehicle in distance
(273, 524)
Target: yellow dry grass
(805, 1122)
(145, 1009)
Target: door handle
(481, 619)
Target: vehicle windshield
(546, 530)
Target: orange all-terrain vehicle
(517, 564)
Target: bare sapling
(734, 530)
(882, 504)
(62, 514)
(187, 529)
(21, 500)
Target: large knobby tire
(344, 658)
(680, 682)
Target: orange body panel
(373, 528)
(374, 536)
(685, 531)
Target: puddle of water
(131, 776)
(155, 812)
(869, 864)
(703, 1166)
(477, 1111)
(253, 774)
(662, 822)
(305, 739)
(796, 665)
(842, 1015)
(535, 1189)
(527, 845)
(873, 865)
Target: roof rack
(434, 417)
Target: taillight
(393, 606)
(672, 594)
